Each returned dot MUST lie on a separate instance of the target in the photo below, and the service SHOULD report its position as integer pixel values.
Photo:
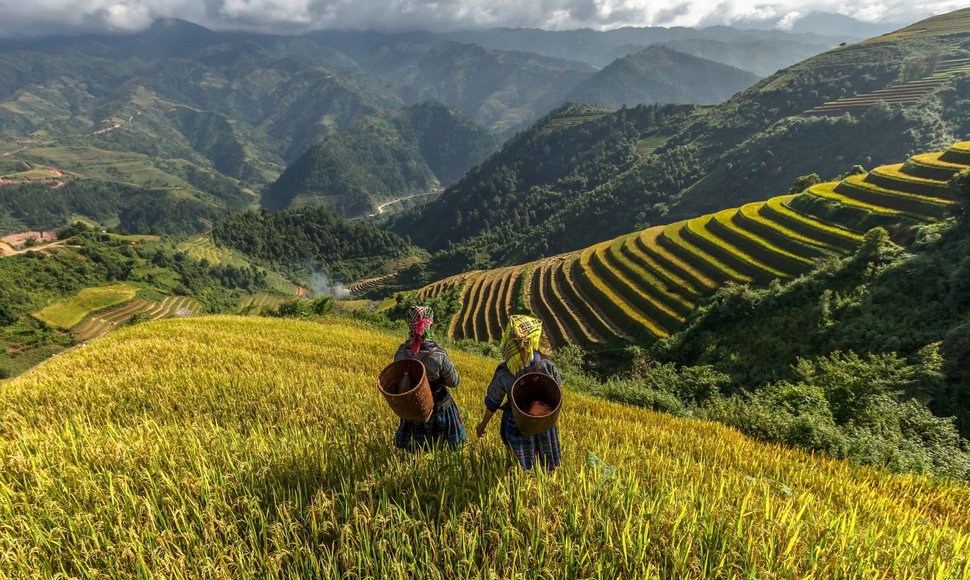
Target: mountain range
(579, 177)
(153, 112)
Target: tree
(959, 186)
(7, 317)
(804, 182)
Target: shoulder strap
(424, 357)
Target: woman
(520, 344)
(445, 426)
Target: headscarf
(520, 341)
(420, 319)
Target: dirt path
(7, 250)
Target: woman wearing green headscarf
(445, 426)
(520, 347)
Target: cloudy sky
(27, 17)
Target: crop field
(894, 177)
(203, 248)
(104, 164)
(97, 325)
(363, 285)
(645, 284)
(68, 312)
(241, 447)
(855, 187)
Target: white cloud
(788, 20)
(299, 15)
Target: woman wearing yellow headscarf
(520, 347)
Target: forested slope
(751, 147)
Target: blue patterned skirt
(531, 450)
(443, 428)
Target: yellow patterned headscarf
(520, 341)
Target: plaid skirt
(531, 450)
(443, 428)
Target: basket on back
(536, 399)
(415, 403)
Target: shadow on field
(369, 473)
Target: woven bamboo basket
(532, 387)
(416, 404)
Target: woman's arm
(494, 395)
(480, 429)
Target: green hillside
(61, 293)
(258, 448)
(397, 153)
(706, 159)
(659, 75)
(645, 284)
(311, 243)
(574, 150)
(750, 291)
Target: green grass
(68, 312)
(202, 247)
(239, 447)
(107, 165)
(650, 144)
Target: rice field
(204, 248)
(645, 284)
(97, 325)
(68, 312)
(242, 447)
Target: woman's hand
(480, 429)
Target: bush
(793, 414)
(137, 318)
(299, 308)
(959, 186)
(633, 393)
(7, 317)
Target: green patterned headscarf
(520, 341)
(420, 319)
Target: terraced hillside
(204, 248)
(904, 93)
(360, 286)
(643, 285)
(102, 323)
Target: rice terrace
(651, 327)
